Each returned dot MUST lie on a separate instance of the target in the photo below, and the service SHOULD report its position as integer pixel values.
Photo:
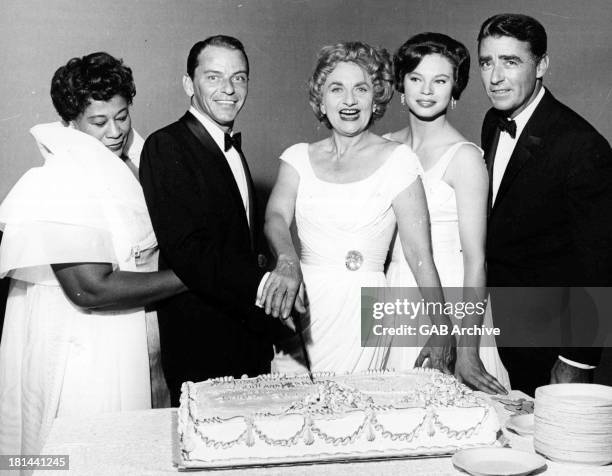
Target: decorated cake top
(275, 394)
(330, 397)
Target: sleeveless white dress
(332, 220)
(448, 258)
(83, 205)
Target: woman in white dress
(81, 252)
(431, 70)
(345, 193)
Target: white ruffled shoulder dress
(83, 205)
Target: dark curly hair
(410, 54)
(97, 76)
(374, 61)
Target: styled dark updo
(97, 77)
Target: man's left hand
(565, 373)
(281, 289)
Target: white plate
(521, 424)
(497, 461)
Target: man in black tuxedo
(200, 195)
(550, 222)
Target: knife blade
(297, 322)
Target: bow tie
(508, 125)
(234, 141)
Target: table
(144, 443)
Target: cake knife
(298, 328)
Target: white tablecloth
(143, 443)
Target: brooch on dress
(353, 260)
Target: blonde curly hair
(374, 61)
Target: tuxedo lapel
(218, 160)
(520, 156)
(529, 145)
(252, 200)
(489, 141)
(488, 129)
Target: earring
(375, 108)
(453, 103)
(403, 99)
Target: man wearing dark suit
(550, 208)
(200, 195)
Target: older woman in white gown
(81, 252)
(346, 192)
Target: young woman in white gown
(431, 70)
(81, 252)
(345, 193)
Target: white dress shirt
(232, 156)
(506, 144)
(505, 148)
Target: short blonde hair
(374, 61)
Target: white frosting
(276, 418)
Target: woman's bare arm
(98, 286)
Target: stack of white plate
(573, 423)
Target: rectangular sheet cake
(274, 419)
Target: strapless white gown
(448, 258)
(332, 220)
